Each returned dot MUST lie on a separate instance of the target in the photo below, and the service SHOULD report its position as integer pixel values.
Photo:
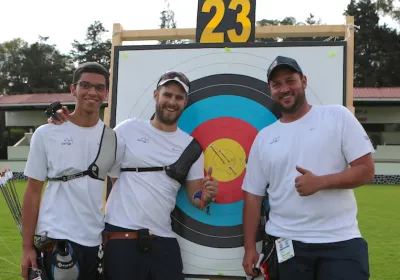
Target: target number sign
(220, 21)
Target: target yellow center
(227, 158)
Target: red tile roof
(36, 99)
(377, 93)
(392, 93)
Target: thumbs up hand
(307, 183)
(210, 187)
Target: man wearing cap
(157, 159)
(311, 159)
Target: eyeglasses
(87, 86)
(173, 75)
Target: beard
(299, 100)
(164, 118)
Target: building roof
(377, 94)
(36, 99)
(44, 99)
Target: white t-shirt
(68, 210)
(146, 199)
(324, 141)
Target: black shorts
(123, 261)
(345, 260)
(88, 262)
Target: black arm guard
(180, 169)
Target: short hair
(90, 67)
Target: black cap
(283, 61)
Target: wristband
(198, 194)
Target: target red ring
(234, 129)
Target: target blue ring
(207, 109)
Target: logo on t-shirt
(144, 139)
(274, 140)
(67, 141)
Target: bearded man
(311, 159)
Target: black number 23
(209, 36)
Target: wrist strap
(199, 195)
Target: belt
(270, 239)
(124, 235)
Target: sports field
(379, 218)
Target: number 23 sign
(220, 21)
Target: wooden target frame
(346, 30)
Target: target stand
(228, 105)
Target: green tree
(167, 21)
(45, 69)
(34, 68)
(11, 61)
(95, 48)
(389, 7)
(376, 47)
(288, 21)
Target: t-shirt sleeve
(196, 171)
(255, 179)
(36, 164)
(115, 170)
(355, 141)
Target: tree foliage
(11, 61)
(389, 7)
(310, 20)
(34, 68)
(376, 47)
(95, 48)
(167, 21)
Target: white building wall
(25, 118)
(378, 114)
(30, 118)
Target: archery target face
(228, 105)
(225, 118)
(224, 114)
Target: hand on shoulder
(60, 116)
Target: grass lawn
(379, 220)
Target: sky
(28, 19)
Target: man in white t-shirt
(311, 159)
(69, 217)
(141, 244)
(143, 196)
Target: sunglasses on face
(173, 75)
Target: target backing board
(228, 104)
